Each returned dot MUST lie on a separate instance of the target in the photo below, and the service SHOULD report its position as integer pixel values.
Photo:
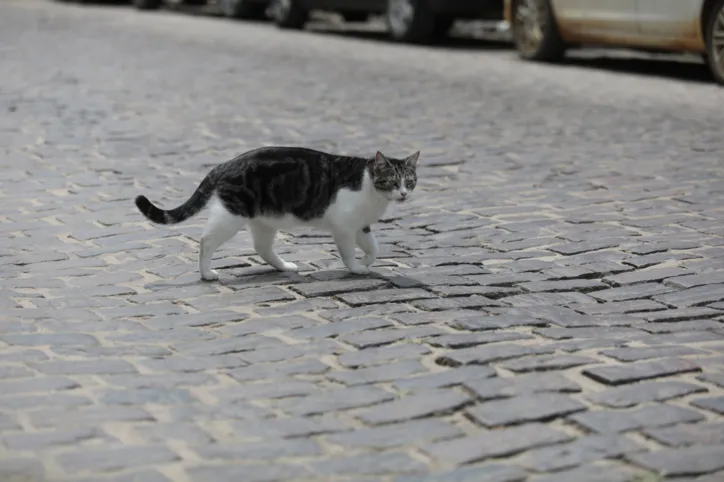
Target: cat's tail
(192, 206)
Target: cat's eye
(410, 184)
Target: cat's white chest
(355, 209)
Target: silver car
(544, 29)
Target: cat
(273, 188)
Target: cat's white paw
(287, 266)
(211, 275)
(359, 269)
(368, 259)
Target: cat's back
(271, 155)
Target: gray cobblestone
(563, 265)
(644, 417)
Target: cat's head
(395, 179)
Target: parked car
(407, 20)
(543, 29)
(247, 9)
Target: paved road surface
(549, 307)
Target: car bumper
(468, 8)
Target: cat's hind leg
(221, 227)
(367, 242)
(263, 237)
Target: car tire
(443, 25)
(355, 16)
(289, 14)
(714, 34)
(147, 4)
(410, 21)
(535, 31)
(242, 9)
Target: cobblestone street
(548, 307)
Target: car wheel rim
(400, 14)
(225, 7)
(717, 41)
(529, 24)
(280, 9)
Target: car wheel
(410, 21)
(355, 16)
(288, 14)
(443, 26)
(242, 9)
(715, 42)
(535, 32)
(147, 4)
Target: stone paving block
(248, 472)
(384, 296)
(379, 356)
(488, 473)
(629, 306)
(416, 405)
(638, 393)
(546, 362)
(369, 464)
(410, 432)
(33, 385)
(538, 407)
(648, 416)
(495, 444)
(714, 404)
(43, 440)
(633, 292)
(447, 378)
(634, 372)
(482, 322)
(480, 355)
(467, 340)
(334, 400)
(115, 459)
(23, 469)
(682, 461)
(630, 354)
(87, 416)
(134, 476)
(646, 275)
(697, 296)
(377, 374)
(488, 389)
(682, 314)
(572, 454)
(265, 450)
(705, 433)
(590, 473)
(714, 277)
(375, 338)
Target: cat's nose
(403, 195)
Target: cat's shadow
(262, 276)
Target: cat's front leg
(367, 242)
(346, 244)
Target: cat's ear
(381, 161)
(412, 160)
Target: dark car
(248, 9)
(407, 20)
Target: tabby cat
(273, 188)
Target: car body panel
(669, 25)
(454, 8)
